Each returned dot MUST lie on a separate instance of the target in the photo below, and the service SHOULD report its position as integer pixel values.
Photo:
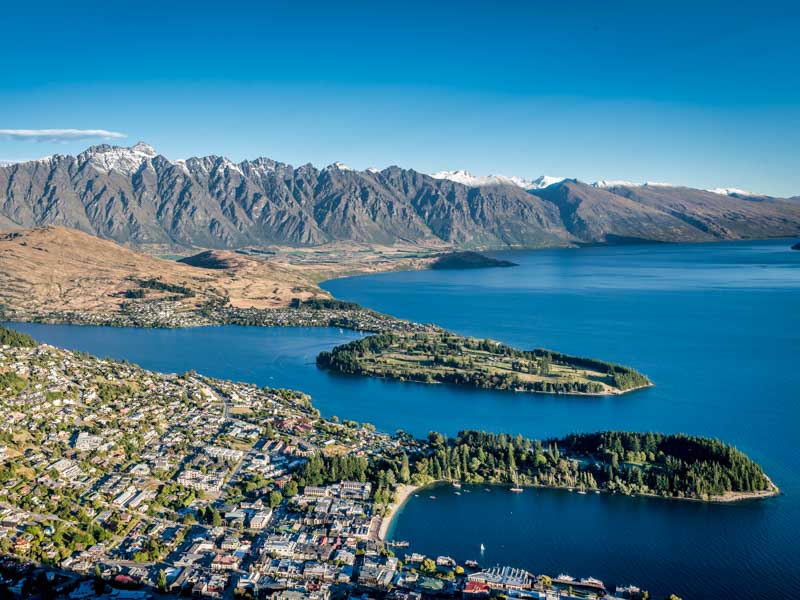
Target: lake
(715, 326)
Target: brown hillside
(55, 268)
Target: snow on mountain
(732, 192)
(460, 176)
(544, 181)
(466, 178)
(609, 183)
(340, 166)
(117, 158)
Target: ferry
(592, 582)
(516, 490)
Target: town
(170, 312)
(122, 483)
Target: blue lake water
(716, 326)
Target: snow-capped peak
(373, 170)
(466, 178)
(544, 181)
(118, 158)
(143, 148)
(340, 166)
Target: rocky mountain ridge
(138, 197)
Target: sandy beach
(402, 494)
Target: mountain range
(138, 197)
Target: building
(355, 490)
(504, 578)
(260, 519)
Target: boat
(564, 578)
(457, 485)
(432, 497)
(516, 490)
(482, 548)
(472, 564)
(458, 493)
(592, 582)
(398, 544)
(583, 492)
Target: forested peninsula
(673, 466)
(443, 357)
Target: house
(225, 562)
(260, 519)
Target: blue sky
(700, 93)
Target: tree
(290, 488)
(99, 584)
(428, 565)
(405, 470)
(216, 518)
(275, 499)
(162, 581)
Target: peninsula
(443, 357)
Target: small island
(443, 357)
(468, 260)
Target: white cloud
(59, 135)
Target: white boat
(482, 548)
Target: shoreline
(403, 493)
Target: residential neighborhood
(123, 483)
